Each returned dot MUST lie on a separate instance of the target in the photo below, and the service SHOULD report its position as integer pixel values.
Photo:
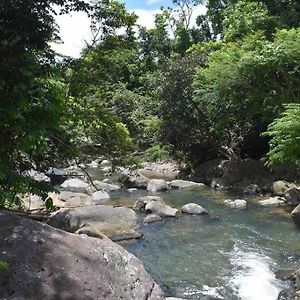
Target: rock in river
(238, 203)
(183, 184)
(296, 215)
(272, 202)
(141, 202)
(50, 264)
(161, 209)
(118, 223)
(75, 185)
(152, 218)
(157, 185)
(194, 209)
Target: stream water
(230, 254)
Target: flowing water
(230, 254)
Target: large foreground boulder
(50, 264)
(118, 223)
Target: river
(229, 254)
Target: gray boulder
(70, 199)
(272, 202)
(280, 187)
(194, 209)
(292, 196)
(296, 215)
(75, 185)
(108, 187)
(100, 197)
(157, 185)
(238, 203)
(141, 202)
(117, 223)
(152, 218)
(183, 184)
(133, 181)
(161, 209)
(47, 263)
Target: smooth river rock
(296, 215)
(75, 185)
(272, 202)
(118, 223)
(157, 185)
(50, 264)
(100, 197)
(141, 202)
(183, 184)
(70, 199)
(152, 218)
(108, 187)
(161, 209)
(280, 186)
(194, 209)
(238, 203)
(292, 196)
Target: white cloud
(74, 30)
(146, 16)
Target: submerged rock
(161, 209)
(238, 203)
(272, 202)
(183, 184)
(194, 209)
(117, 223)
(47, 263)
(296, 215)
(157, 185)
(152, 218)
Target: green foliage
(3, 265)
(157, 152)
(285, 137)
(244, 85)
(246, 18)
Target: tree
(31, 95)
(246, 18)
(243, 88)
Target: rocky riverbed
(143, 204)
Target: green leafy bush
(285, 137)
(157, 152)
